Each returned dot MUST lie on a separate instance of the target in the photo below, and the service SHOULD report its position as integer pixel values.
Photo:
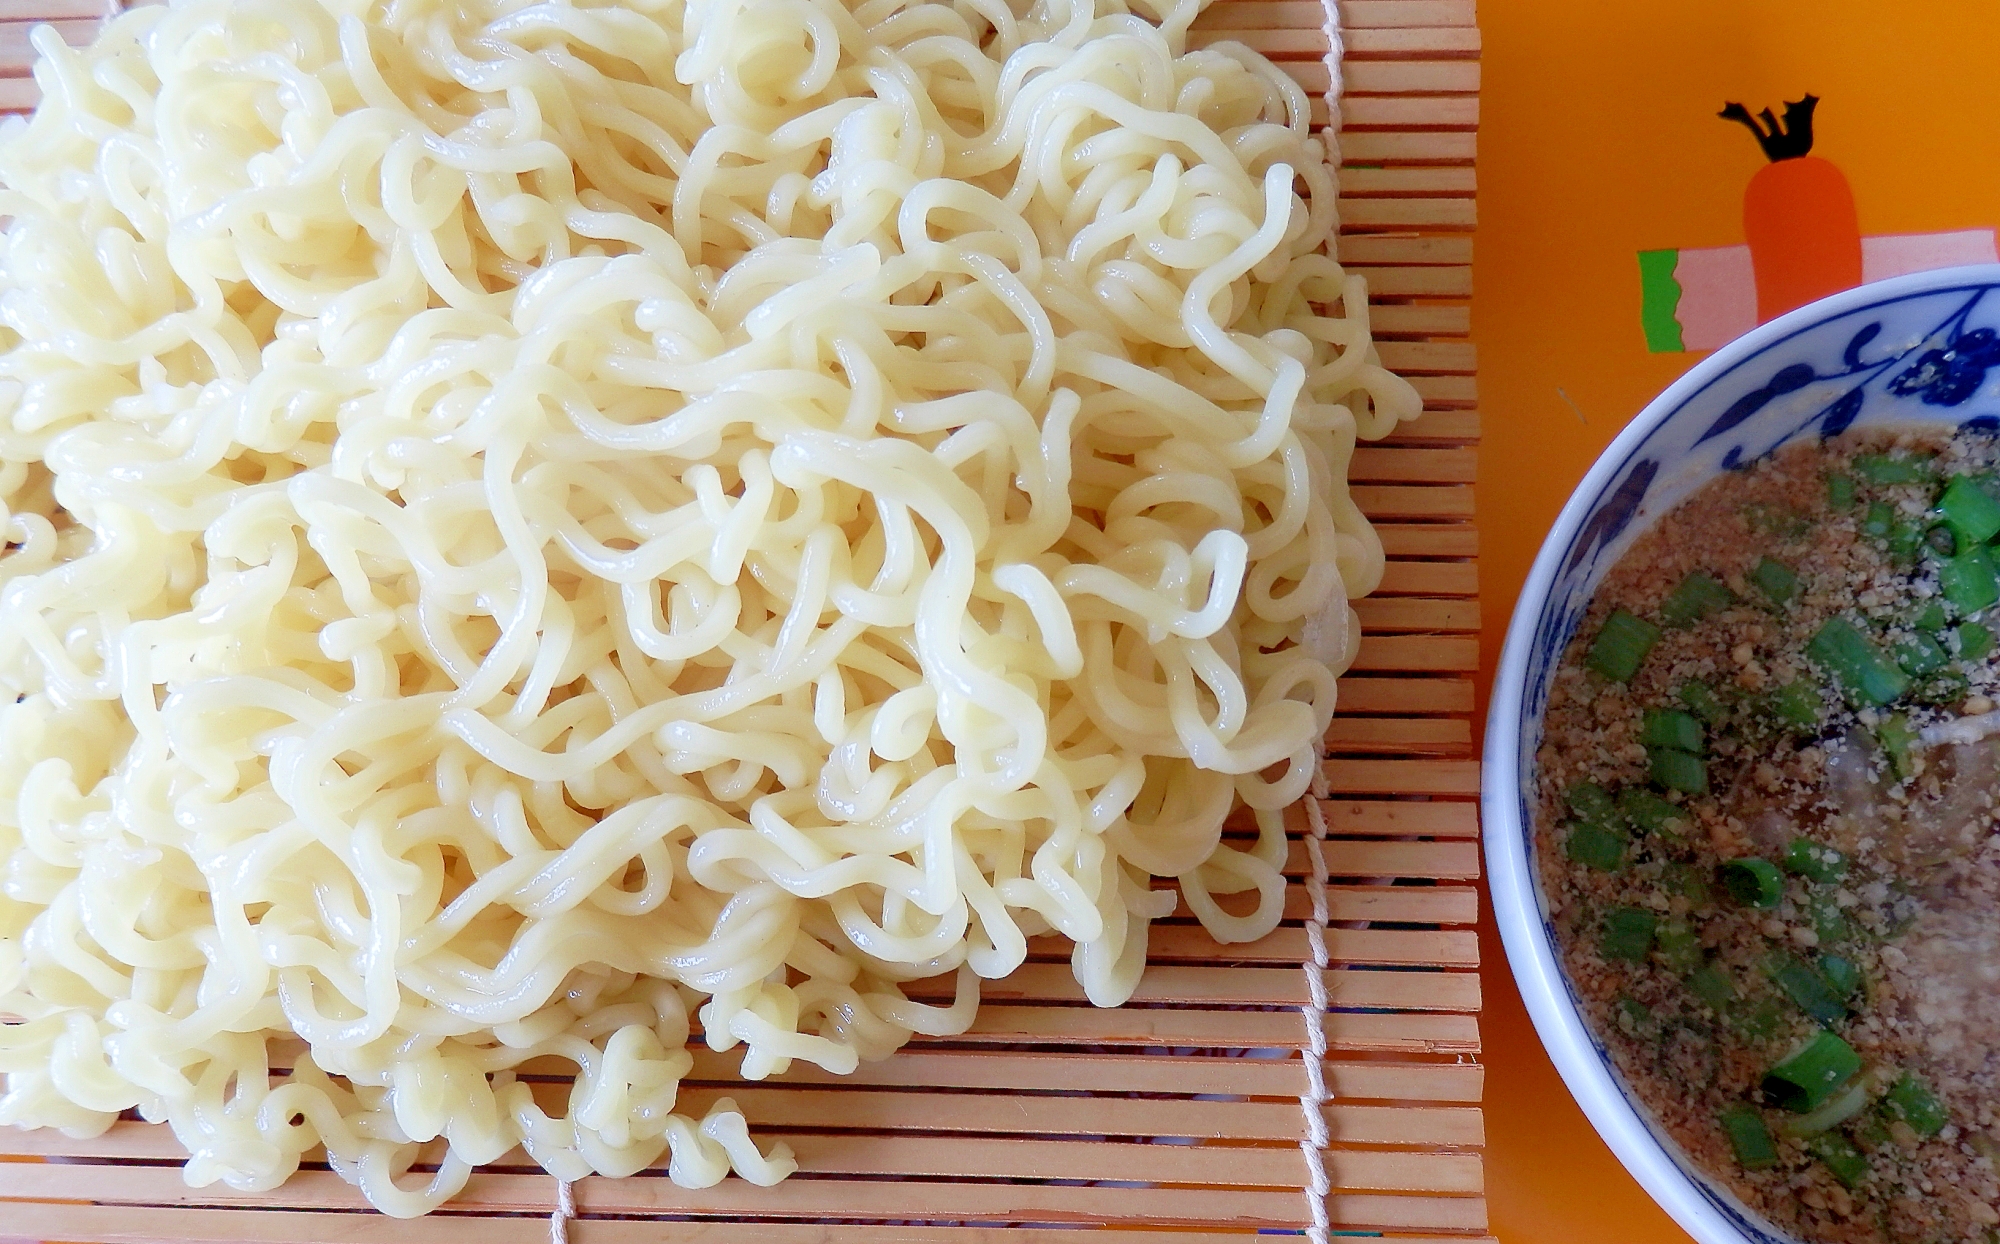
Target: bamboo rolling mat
(1177, 1118)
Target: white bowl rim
(1516, 911)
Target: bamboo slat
(1418, 321)
(1404, 777)
(1400, 947)
(1400, 77)
(1441, 392)
(925, 1069)
(1364, 179)
(1198, 1027)
(1380, 615)
(1436, 540)
(1417, 652)
(1449, 357)
(1415, 736)
(1413, 282)
(1412, 112)
(1437, 427)
(58, 10)
(1302, 15)
(16, 56)
(1174, 1119)
(1448, 860)
(1415, 40)
(1387, 14)
(1378, 818)
(1439, 213)
(1394, 464)
(1365, 249)
(1412, 147)
(1413, 904)
(1225, 983)
(1430, 578)
(1405, 697)
(1394, 501)
(1276, 44)
(1408, 904)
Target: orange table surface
(1599, 139)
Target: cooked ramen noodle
(538, 530)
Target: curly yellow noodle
(537, 529)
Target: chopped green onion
(1592, 803)
(1621, 645)
(1627, 934)
(1679, 878)
(1677, 770)
(1872, 1133)
(1973, 515)
(1944, 687)
(1839, 490)
(1897, 738)
(1596, 847)
(1830, 923)
(1848, 1164)
(1942, 541)
(1803, 1081)
(1906, 539)
(1853, 659)
(1841, 973)
(1775, 520)
(1930, 619)
(1911, 1100)
(1670, 727)
(1748, 1137)
(1648, 813)
(1920, 655)
(1975, 642)
(1759, 1021)
(1806, 988)
(1884, 469)
(1970, 581)
(1703, 702)
(1814, 862)
(1752, 882)
(1698, 596)
(1880, 520)
(1678, 946)
(1850, 1102)
(1712, 985)
(1777, 580)
(1795, 704)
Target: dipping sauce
(1767, 803)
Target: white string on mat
(564, 1211)
(1336, 49)
(1313, 1100)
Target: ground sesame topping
(1767, 832)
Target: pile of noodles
(537, 528)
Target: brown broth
(1916, 912)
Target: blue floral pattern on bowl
(1921, 352)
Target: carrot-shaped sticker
(1798, 214)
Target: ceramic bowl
(1921, 348)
